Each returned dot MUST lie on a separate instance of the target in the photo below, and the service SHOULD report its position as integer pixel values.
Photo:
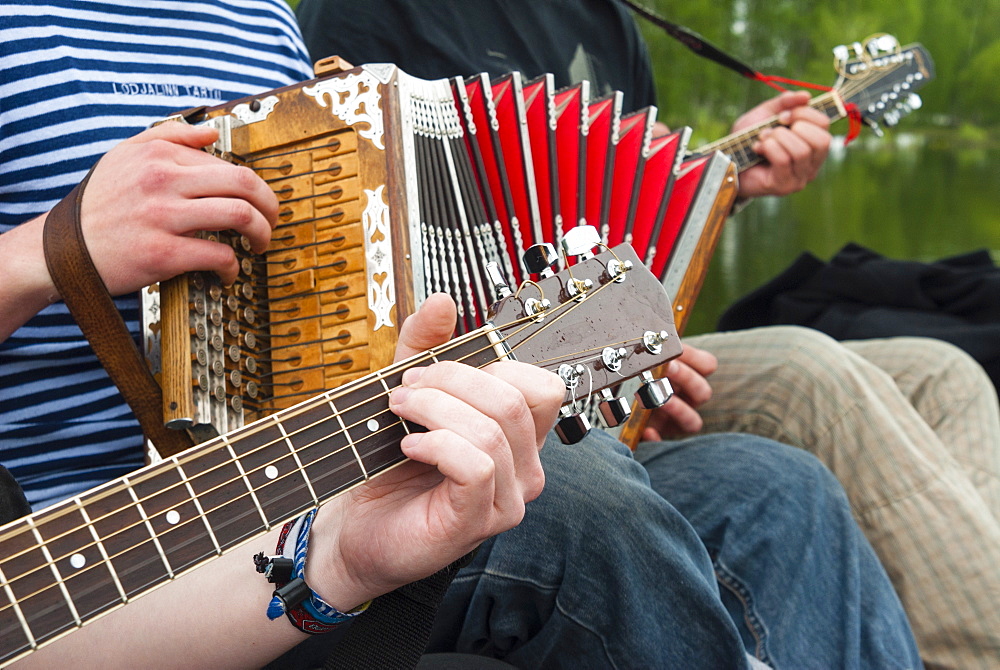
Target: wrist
(327, 570)
(26, 287)
(293, 597)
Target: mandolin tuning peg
(653, 393)
(571, 428)
(540, 258)
(874, 127)
(614, 411)
(911, 103)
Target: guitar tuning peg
(614, 411)
(496, 278)
(653, 393)
(571, 428)
(580, 241)
(540, 258)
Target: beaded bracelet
(292, 596)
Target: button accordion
(392, 188)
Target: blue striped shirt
(76, 78)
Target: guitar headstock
(881, 77)
(595, 324)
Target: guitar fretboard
(96, 552)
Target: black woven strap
(393, 633)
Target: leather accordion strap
(88, 300)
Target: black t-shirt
(596, 40)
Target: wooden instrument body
(322, 305)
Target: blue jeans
(617, 567)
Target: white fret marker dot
(372, 425)
(173, 517)
(271, 472)
(78, 561)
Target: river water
(906, 195)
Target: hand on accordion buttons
(150, 195)
(688, 376)
(793, 151)
(469, 476)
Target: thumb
(431, 325)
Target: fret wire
(100, 547)
(429, 355)
(388, 390)
(330, 455)
(32, 642)
(246, 480)
(149, 526)
(55, 571)
(350, 441)
(197, 504)
(295, 455)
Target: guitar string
(571, 305)
(265, 445)
(156, 559)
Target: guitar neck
(86, 556)
(64, 566)
(738, 145)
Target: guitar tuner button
(654, 393)
(614, 411)
(580, 241)
(571, 428)
(496, 278)
(539, 259)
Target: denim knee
(750, 477)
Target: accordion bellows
(391, 188)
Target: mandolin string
(212, 444)
(746, 138)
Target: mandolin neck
(738, 145)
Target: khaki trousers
(911, 428)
